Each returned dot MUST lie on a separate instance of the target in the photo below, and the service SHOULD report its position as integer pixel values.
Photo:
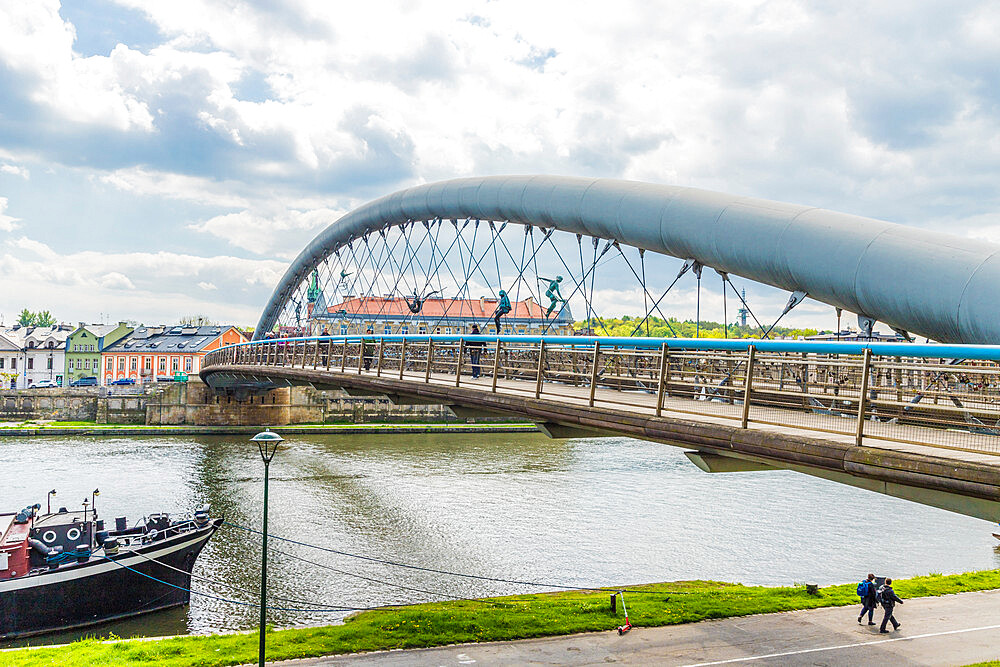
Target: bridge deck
(644, 403)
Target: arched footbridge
(916, 421)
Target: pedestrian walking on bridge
(475, 348)
(888, 598)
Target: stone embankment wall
(72, 405)
(195, 404)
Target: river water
(586, 512)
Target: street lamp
(267, 444)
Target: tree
(197, 320)
(26, 318)
(43, 318)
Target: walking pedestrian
(368, 350)
(475, 348)
(888, 598)
(867, 591)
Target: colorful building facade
(150, 354)
(84, 346)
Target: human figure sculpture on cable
(502, 309)
(553, 294)
(417, 304)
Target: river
(586, 512)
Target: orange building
(153, 353)
(394, 315)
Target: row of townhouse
(63, 354)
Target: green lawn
(494, 619)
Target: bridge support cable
(745, 304)
(725, 315)
(646, 295)
(688, 264)
(581, 286)
(697, 272)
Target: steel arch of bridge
(928, 283)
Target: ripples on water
(600, 511)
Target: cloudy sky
(161, 158)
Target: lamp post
(267, 444)
(48, 500)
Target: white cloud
(115, 280)
(150, 287)
(15, 170)
(7, 223)
(280, 233)
(168, 185)
(208, 287)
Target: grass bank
(493, 619)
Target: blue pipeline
(977, 352)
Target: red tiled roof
(436, 307)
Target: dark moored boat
(64, 570)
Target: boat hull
(101, 589)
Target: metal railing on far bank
(937, 395)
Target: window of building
(162, 365)
(187, 364)
(387, 329)
(133, 364)
(121, 363)
(147, 363)
(343, 329)
(48, 366)
(31, 363)
(111, 364)
(31, 344)
(1, 362)
(404, 330)
(13, 364)
(175, 364)
(447, 330)
(86, 364)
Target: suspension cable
(645, 292)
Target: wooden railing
(937, 395)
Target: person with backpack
(888, 598)
(866, 591)
(475, 348)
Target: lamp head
(267, 444)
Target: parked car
(164, 378)
(124, 381)
(44, 384)
(84, 382)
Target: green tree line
(657, 327)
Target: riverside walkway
(949, 630)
